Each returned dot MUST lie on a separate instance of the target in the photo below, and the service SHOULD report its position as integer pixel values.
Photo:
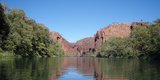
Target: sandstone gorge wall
(114, 30)
(66, 46)
(86, 45)
(92, 44)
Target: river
(77, 68)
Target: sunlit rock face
(85, 45)
(66, 46)
(92, 44)
(81, 46)
(115, 30)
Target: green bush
(117, 47)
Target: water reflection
(77, 68)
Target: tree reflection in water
(77, 68)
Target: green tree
(23, 36)
(4, 25)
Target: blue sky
(76, 19)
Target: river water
(77, 68)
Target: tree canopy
(23, 36)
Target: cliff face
(81, 46)
(66, 46)
(92, 44)
(115, 30)
(85, 45)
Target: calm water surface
(78, 68)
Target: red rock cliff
(115, 30)
(66, 46)
(91, 44)
(85, 45)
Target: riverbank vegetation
(23, 36)
(143, 43)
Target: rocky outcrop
(85, 45)
(92, 44)
(82, 46)
(115, 30)
(66, 46)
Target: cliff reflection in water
(90, 68)
(77, 68)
